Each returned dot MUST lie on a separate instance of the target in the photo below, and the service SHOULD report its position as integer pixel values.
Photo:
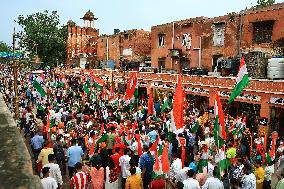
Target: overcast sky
(121, 14)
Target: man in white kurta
(213, 182)
(176, 166)
(190, 183)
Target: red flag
(83, 98)
(137, 136)
(102, 129)
(128, 133)
(135, 125)
(151, 103)
(273, 145)
(93, 146)
(156, 165)
(178, 104)
(87, 141)
(165, 159)
(48, 123)
(131, 86)
(218, 111)
(96, 79)
(182, 143)
(42, 76)
(155, 145)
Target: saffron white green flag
(98, 83)
(172, 125)
(114, 102)
(39, 106)
(242, 81)
(219, 125)
(38, 85)
(165, 105)
(221, 161)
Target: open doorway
(216, 63)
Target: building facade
(127, 46)
(204, 42)
(82, 42)
(213, 44)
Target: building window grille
(262, 32)
(161, 63)
(126, 36)
(219, 34)
(161, 42)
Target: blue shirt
(37, 142)
(147, 161)
(157, 107)
(193, 166)
(28, 92)
(74, 154)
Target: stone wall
(206, 29)
(15, 160)
(131, 45)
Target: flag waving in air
(219, 125)
(151, 103)
(131, 86)
(39, 86)
(165, 105)
(178, 105)
(242, 81)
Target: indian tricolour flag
(219, 125)
(242, 81)
(39, 86)
(165, 105)
(98, 83)
(62, 81)
(114, 102)
(39, 106)
(221, 161)
(131, 86)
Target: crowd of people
(86, 135)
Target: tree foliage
(4, 47)
(43, 35)
(265, 3)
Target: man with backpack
(60, 155)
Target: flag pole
(218, 153)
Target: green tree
(4, 48)
(265, 3)
(42, 35)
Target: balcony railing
(256, 85)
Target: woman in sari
(97, 175)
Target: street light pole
(15, 74)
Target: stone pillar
(85, 23)
(211, 101)
(265, 109)
(112, 84)
(211, 97)
(149, 88)
(92, 24)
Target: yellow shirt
(231, 153)
(43, 155)
(259, 174)
(134, 182)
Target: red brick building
(82, 41)
(201, 42)
(130, 46)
